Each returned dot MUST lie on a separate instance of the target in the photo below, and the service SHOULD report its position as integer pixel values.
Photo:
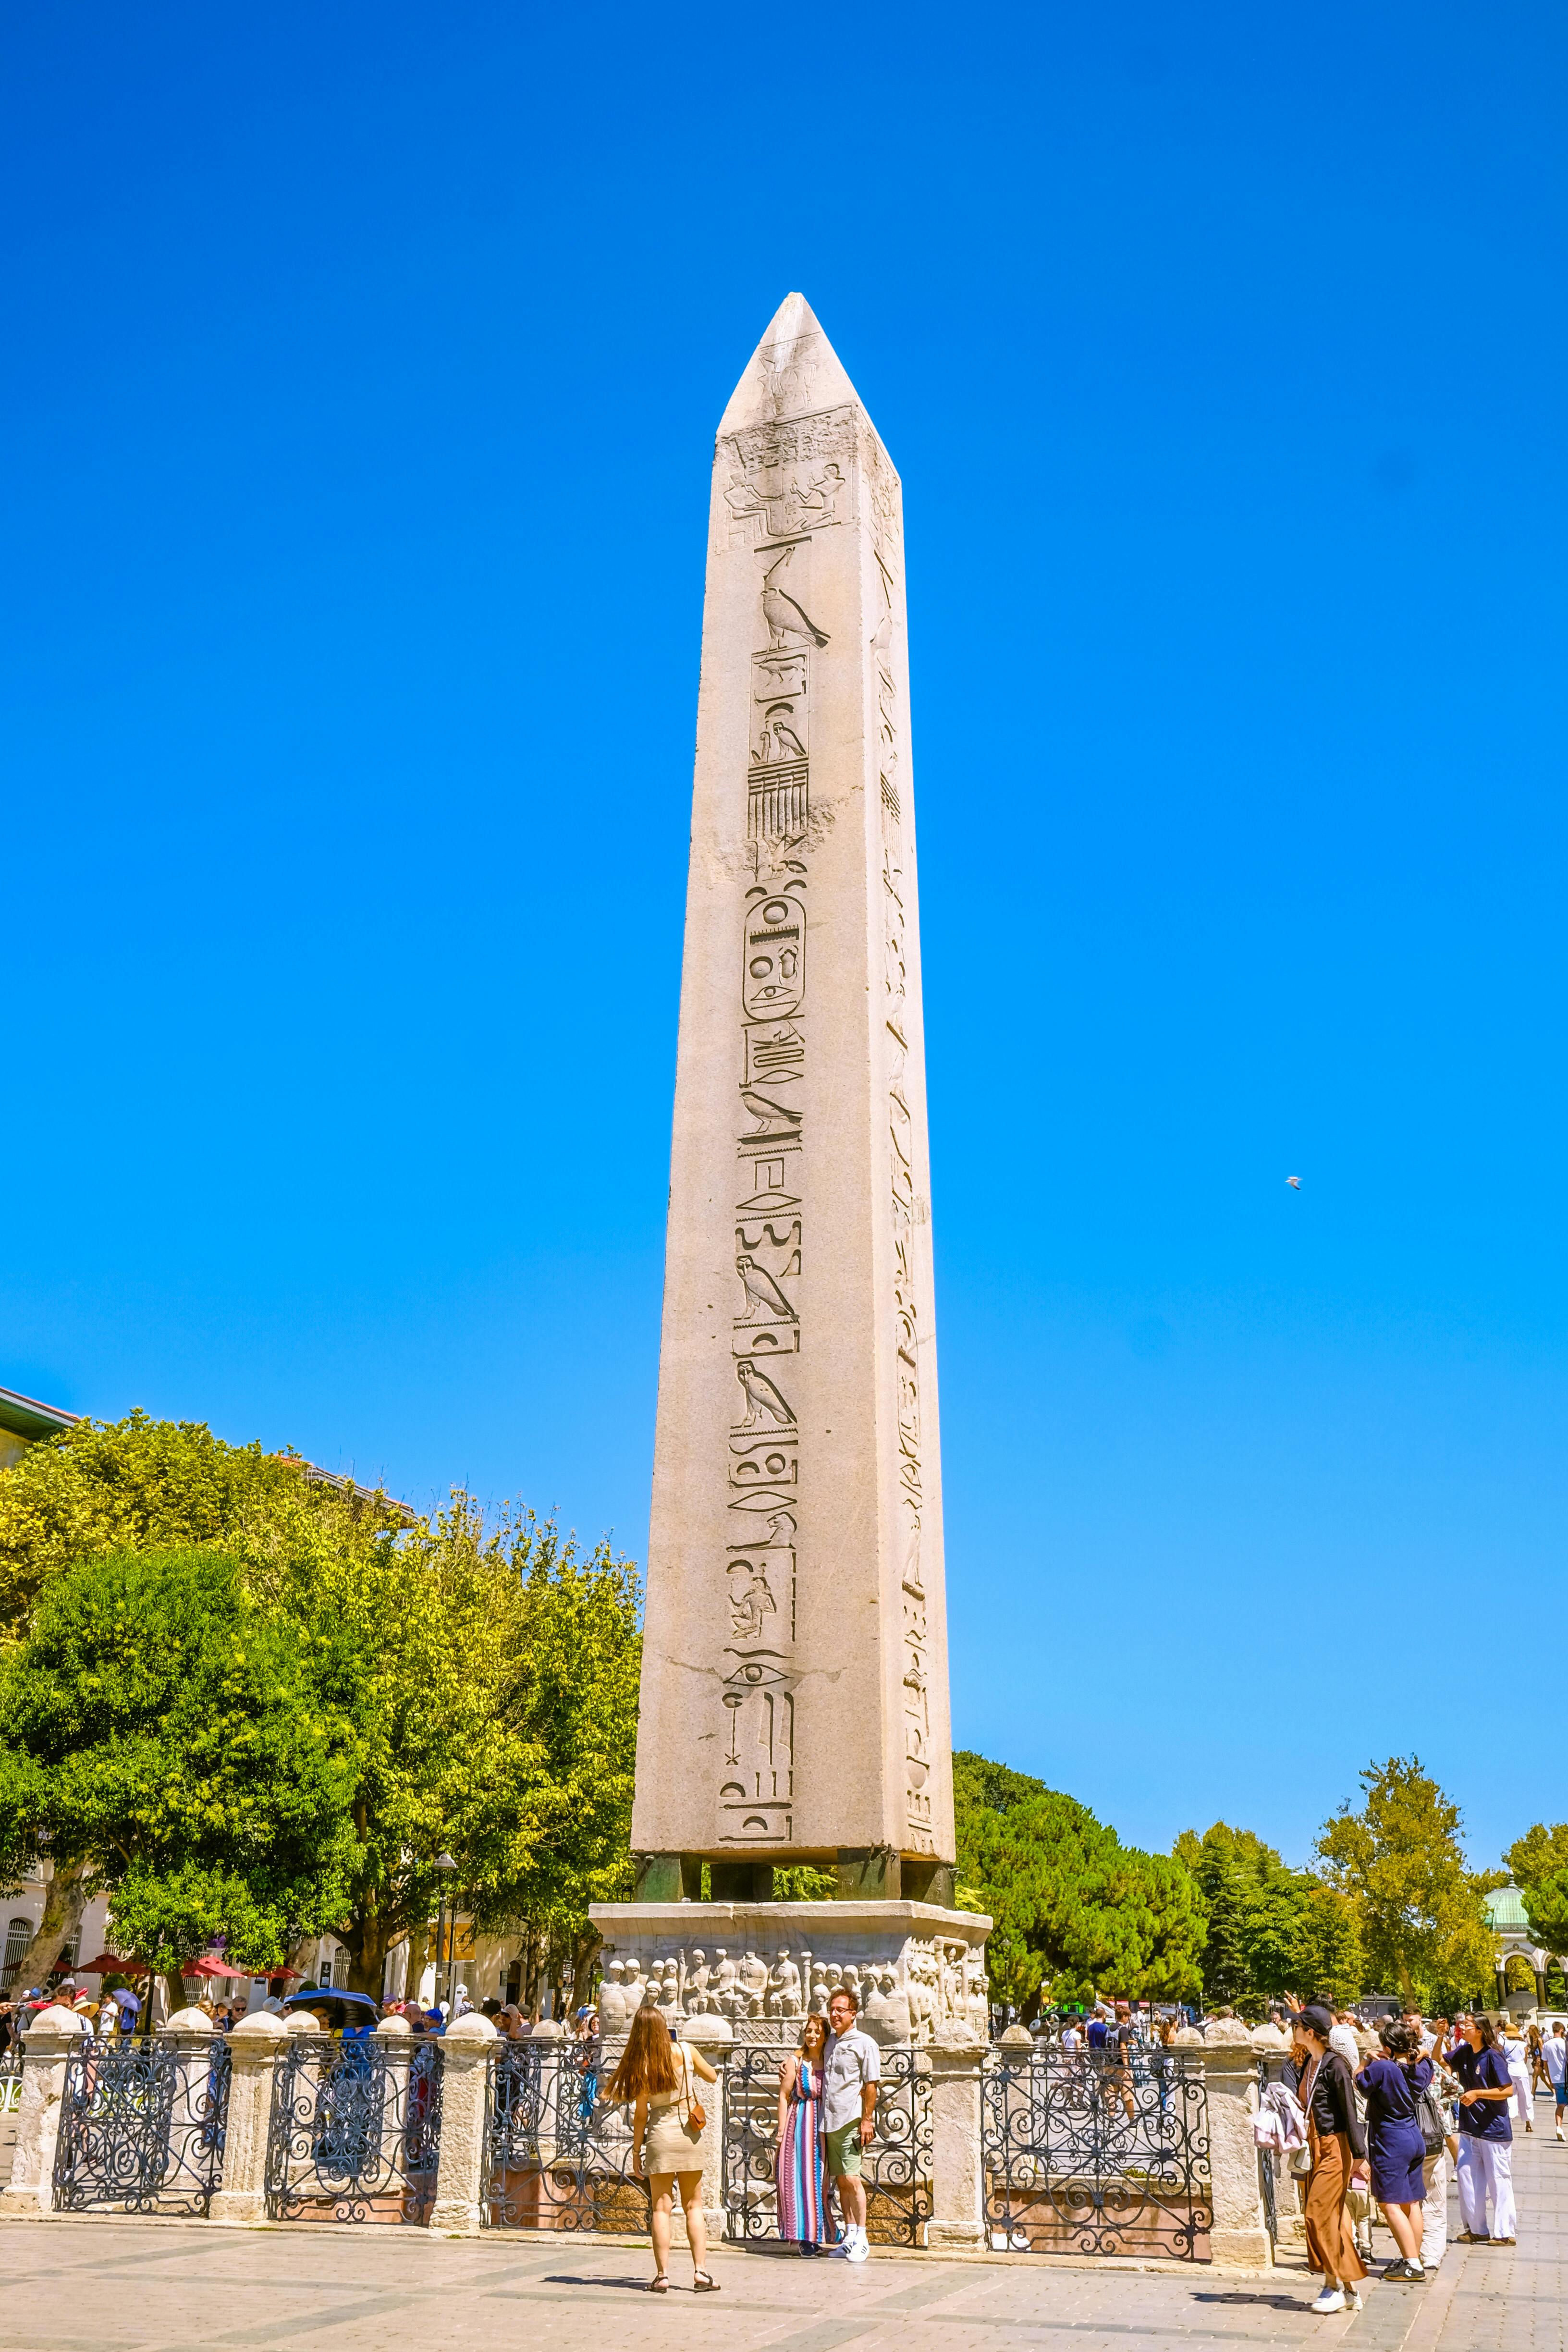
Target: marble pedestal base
(919, 1969)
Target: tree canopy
(166, 1733)
(1538, 1863)
(1271, 1929)
(1421, 1908)
(475, 1686)
(1076, 1912)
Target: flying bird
(1294, 1181)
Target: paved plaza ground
(101, 2284)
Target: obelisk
(794, 1690)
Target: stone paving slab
(98, 2283)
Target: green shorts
(844, 2149)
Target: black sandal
(660, 2285)
(703, 2283)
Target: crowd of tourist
(1384, 2113)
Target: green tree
(570, 1668)
(1420, 1907)
(487, 1676)
(1076, 1911)
(1546, 1908)
(1538, 1864)
(1538, 1854)
(1271, 1929)
(169, 1738)
(1329, 1961)
(140, 1485)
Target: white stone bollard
(253, 2056)
(1239, 2238)
(47, 2044)
(465, 2106)
(714, 2037)
(957, 2059)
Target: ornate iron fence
(141, 2127)
(10, 2078)
(1096, 2155)
(557, 2156)
(355, 2133)
(897, 2164)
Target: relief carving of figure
(817, 500)
(669, 1993)
(614, 2014)
(753, 1979)
(697, 1984)
(749, 1603)
(887, 2018)
(784, 1988)
(721, 1988)
(637, 1990)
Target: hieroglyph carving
(905, 1214)
(757, 1790)
(787, 477)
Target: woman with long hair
(1486, 2135)
(1535, 2059)
(1338, 2146)
(803, 2218)
(1391, 2086)
(670, 2136)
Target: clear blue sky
(360, 374)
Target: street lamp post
(447, 1867)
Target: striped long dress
(803, 2216)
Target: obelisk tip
(794, 370)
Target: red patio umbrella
(110, 1964)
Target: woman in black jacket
(1338, 2144)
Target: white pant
(1435, 2210)
(1519, 2075)
(1486, 2167)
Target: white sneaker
(1332, 2299)
(857, 2247)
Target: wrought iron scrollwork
(1096, 2155)
(897, 2166)
(557, 2155)
(10, 2078)
(355, 2133)
(141, 2127)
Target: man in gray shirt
(852, 2067)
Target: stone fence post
(252, 2057)
(465, 2112)
(711, 2038)
(1239, 2238)
(958, 2171)
(47, 2044)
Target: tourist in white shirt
(1554, 2058)
(851, 2070)
(1511, 2041)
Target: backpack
(1434, 2127)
